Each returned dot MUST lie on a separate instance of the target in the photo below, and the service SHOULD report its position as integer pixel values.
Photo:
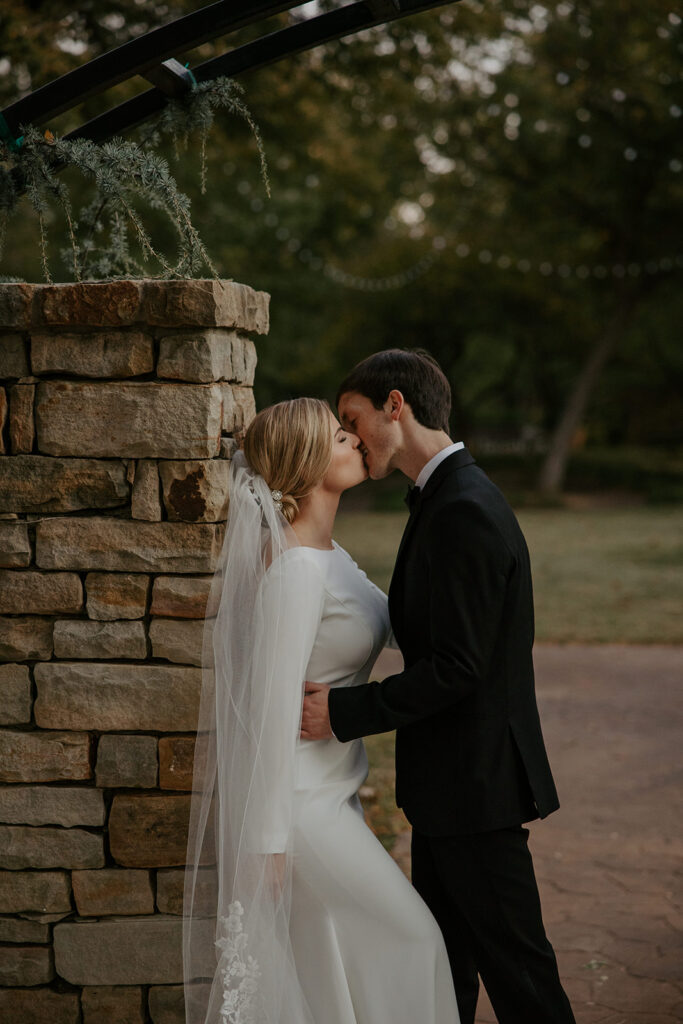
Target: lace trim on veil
(239, 973)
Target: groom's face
(375, 429)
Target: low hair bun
(290, 507)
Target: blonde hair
(290, 445)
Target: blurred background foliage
(498, 182)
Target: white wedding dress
(366, 948)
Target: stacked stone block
(120, 406)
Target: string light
(502, 261)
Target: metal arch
(150, 55)
(137, 57)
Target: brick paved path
(609, 862)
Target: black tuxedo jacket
(470, 755)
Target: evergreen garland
(121, 172)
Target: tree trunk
(554, 468)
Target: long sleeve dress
(366, 947)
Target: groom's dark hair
(413, 372)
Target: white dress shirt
(430, 466)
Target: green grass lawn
(606, 575)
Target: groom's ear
(395, 404)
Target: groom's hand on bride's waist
(315, 718)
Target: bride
(294, 913)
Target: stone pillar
(120, 406)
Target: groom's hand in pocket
(315, 718)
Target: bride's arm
(391, 641)
(289, 614)
(389, 662)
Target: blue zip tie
(7, 136)
(192, 78)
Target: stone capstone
(16, 304)
(205, 303)
(184, 303)
(95, 304)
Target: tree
(529, 153)
(572, 148)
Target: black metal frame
(137, 57)
(151, 56)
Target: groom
(471, 765)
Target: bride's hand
(315, 718)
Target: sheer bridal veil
(237, 959)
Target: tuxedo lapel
(394, 585)
(409, 527)
(449, 465)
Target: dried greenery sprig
(197, 112)
(122, 172)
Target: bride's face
(347, 467)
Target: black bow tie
(412, 498)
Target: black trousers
(482, 891)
